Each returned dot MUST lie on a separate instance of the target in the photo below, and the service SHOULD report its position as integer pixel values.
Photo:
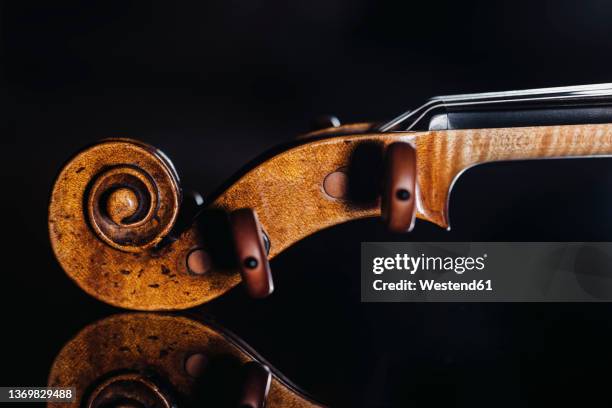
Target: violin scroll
(114, 210)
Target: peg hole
(402, 194)
(251, 262)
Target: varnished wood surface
(160, 343)
(286, 191)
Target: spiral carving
(129, 192)
(125, 208)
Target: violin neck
(453, 133)
(473, 146)
(444, 155)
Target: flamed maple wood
(286, 191)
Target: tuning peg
(251, 250)
(399, 189)
(255, 386)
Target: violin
(123, 230)
(164, 361)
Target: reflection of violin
(148, 360)
(114, 208)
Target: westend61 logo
(414, 264)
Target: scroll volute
(111, 207)
(126, 192)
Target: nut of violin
(250, 250)
(398, 195)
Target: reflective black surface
(213, 84)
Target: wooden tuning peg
(252, 254)
(398, 204)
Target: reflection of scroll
(151, 360)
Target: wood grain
(286, 191)
(160, 343)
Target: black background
(213, 84)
